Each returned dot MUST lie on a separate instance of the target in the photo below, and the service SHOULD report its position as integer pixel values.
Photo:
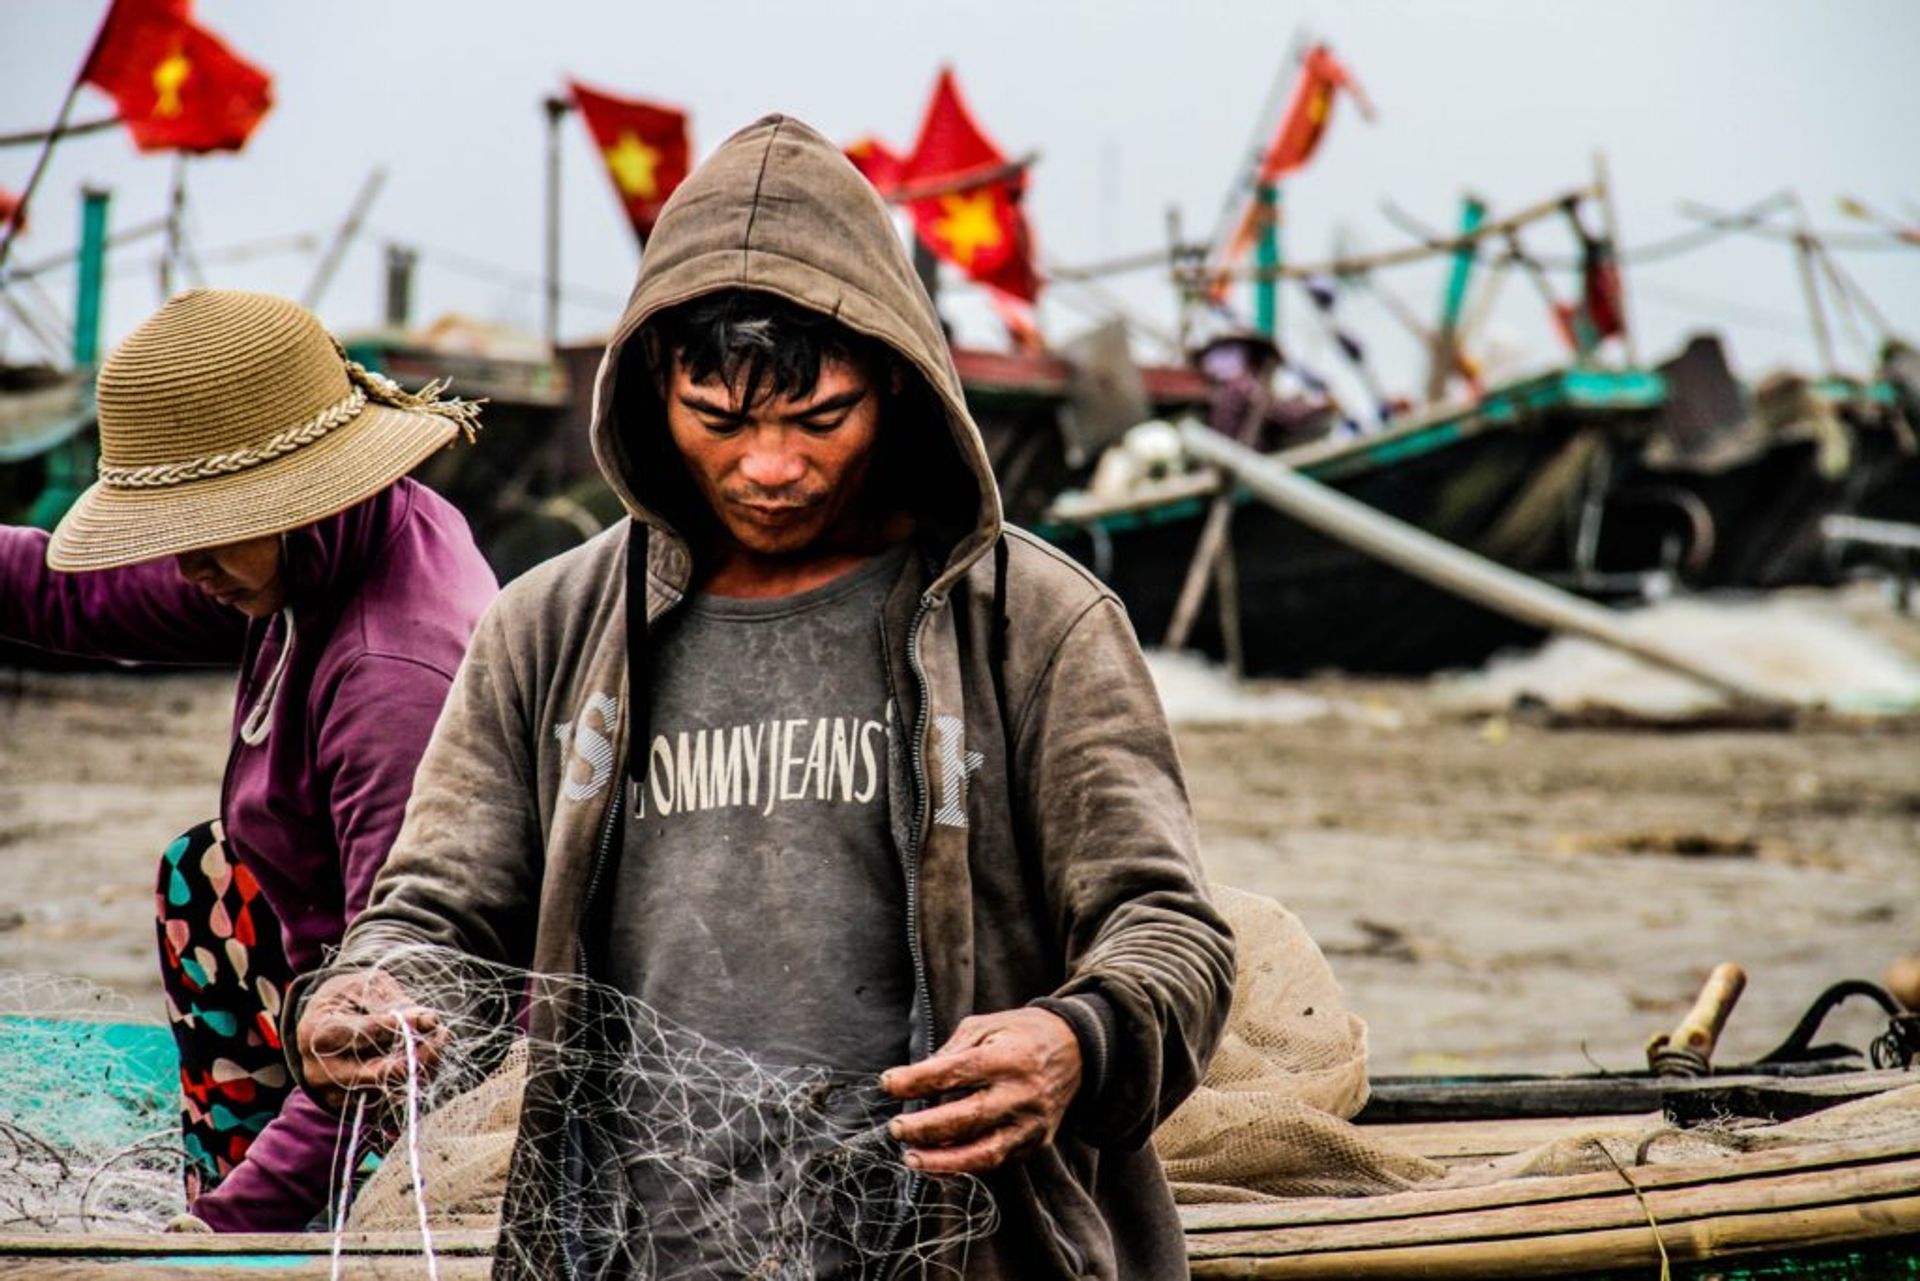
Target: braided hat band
(227, 416)
(465, 414)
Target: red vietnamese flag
(978, 228)
(1309, 108)
(880, 164)
(1302, 125)
(644, 147)
(177, 86)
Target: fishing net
(89, 1111)
(1271, 1117)
(1271, 1120)
(683, 1157)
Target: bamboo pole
(1193, 589)
(965, 180)
(1453, 568)
(19, 215)
(1816, 313)
(31, 137)
(1419, 1204)
(1586, 1253)
(1610, 228)
(1226, 593)
(556, 109)
(343, 237)
(1681, 1211)
(1446, 355)
(1244, 184)
(176, 214)
(1344, 265)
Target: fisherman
(1257, 398)
(253, 507)
(954, 847)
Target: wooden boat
(46, 453)
(1734, 482)
(1045, 418)
(1506, 478)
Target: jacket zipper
(922, 813)
(910, 867)
(602, 852)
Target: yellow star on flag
(169, 74)
(1320, 104)
(632, 162)
(969, 222)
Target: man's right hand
(349, 1036)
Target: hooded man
(817, 759)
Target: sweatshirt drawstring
(253, 730)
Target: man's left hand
(1018, 1069)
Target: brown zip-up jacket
(1050, 858)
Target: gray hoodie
(1062, 871)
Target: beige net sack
(465, 1146)
(1271, 1118)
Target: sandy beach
(1494, 893)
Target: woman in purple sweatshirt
(252, 506)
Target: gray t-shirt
(760, 900)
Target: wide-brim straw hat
(228, 416)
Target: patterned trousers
(224, 972)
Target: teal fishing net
(89, 1111)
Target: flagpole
(1242, 188)
(54, 134)
(1610, 219)
(556, 108)
(176, 210)
(343, 237)
(33, 137)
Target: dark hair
(769, 345)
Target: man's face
(783, 475)
(245, 575)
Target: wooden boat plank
(192, 1256)
(16, 1245)
(1669, 1207)
(1587, 1254)
(1423, 1204)
(1782, 1096)
(312, 1267)
(1455, 1141)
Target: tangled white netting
(89, 1111)
(683, 1158)
(650, 1150)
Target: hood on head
(779, 209)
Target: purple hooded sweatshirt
(384, 597)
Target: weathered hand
(349, 1035)
(1019, 1070)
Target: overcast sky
(1134, 107)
